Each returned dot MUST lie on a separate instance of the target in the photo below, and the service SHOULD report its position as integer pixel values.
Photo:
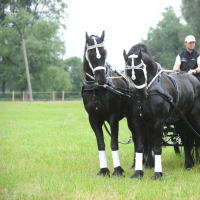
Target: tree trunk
(4, 87)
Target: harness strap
(98, 68)
(170, 100)
(95, 104)
(142, 117)
(161, 71)
(185, 120)
(97, 55)
(177, 98)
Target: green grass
(49, 151)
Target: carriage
(151, 107)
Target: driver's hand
(192, 71)
(176, 68)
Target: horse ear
(125, 56)
(87, 38)
(102, 36)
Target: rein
(168, 98)
(129, 140)
(157, 76)
(117, 92)
(111, 77)
(133, 67)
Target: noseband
(98, 56)
(133, 67)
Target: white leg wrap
(115, 156)
(158, 164)
(102, 159)
(138, 161)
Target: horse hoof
(104, 172)
(157, 175)
(138, 174)
(118, 171)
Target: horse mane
(146, 57)
(85, 63)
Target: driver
(188, 60)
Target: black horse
(162, 100)
(102, 104)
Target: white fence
(41, 96)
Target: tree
(55, 79)
(73, 65)
(44, 46)
(44, 49)
(191, 13)
(166, 40)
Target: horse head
(94, 58)
(136, 72)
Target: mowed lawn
(49, 151)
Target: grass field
(49, 151)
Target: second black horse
(162, 100)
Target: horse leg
(114, 125)
(150, 160)
(134, 139)
(149, 146)
(180, 128)
(194, 119)
(96, 125)
(158, 132)
(129, 118)
(138, 133)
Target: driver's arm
(177, 64)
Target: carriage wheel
(176, 141)
(175, 138)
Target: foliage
(55, 79)
(166, 40)
(3, 6)
(44, 48)
(49, 151)
(41, 21)
(191, 13)
(73, 65)
(54, 10)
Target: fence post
(63, 97)
(13, 97)
(23, 96)
(53, 96)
